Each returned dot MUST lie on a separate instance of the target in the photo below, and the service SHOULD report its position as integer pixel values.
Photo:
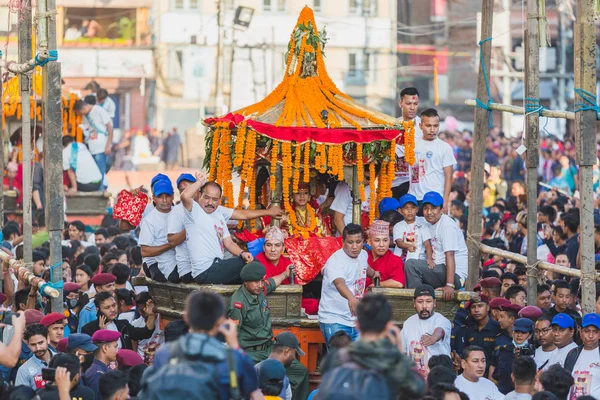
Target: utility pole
(479, 135)
(585, 141)
(507, 81)
(532, 127)
(218, 69)
(25, 22)
(51, 87)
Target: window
(176, 64)
(363, 7)
(194, 4)
(186, 4)
(178, 4)
(267, 5)
(274, 5)
(229, 4)
(370, 7)
(281, 5)
(317, 5)
(369, 66)
(352, 65)
(353, 6)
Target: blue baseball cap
(408, 198)
(157, 178)
(81, 341)
(388, 203)
(523, 325)
(433, 198)
(185, 177)
(591, 319)
(563, 321)
(162, 187)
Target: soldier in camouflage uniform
(249, 308)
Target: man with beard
(426, 333)
(479, 330)
(30, 373)
(582, 362)
(382, 259)
(55, 322)
(471, 381)
(545, 338)
(209, 237)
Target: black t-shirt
(79, 392)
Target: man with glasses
(544, 336)
(582, 362)
(563, 330)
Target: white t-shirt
(560, 356)
(342, 202)
(110, 107)
(517, 396)
(402, 173)
(586, 373)
(158, 336)
(412, 331)
(483, 389)
(148, 209)
(176, 224)
(86, 170)
(447, 236)
(542, 356)
(418, 233)
(226, 213)
(205, 235)
(153, 232)
(333, 307)
(95, 129)
(427, 174)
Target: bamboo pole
(521, 111)
(541, 264)
(19, 266)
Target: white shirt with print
(342, 202)
(153, 232)
(95, 129)
(484, 389)
(447, 236)
(427, 173)
(412, 331)
(586, 374)
(416, 233)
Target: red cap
(103, 279)
(52, 318)
(482, 299)
(128, 358)
(477, 288)
(490, 282)
(530, 312)
(2, 298)
(61, 347)
(510, 307)
(498, 302)
(105, 336)
(71, 287)
(33, 316)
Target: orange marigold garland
(297, 159)
(311, 220)
(409, 141)
(306, 167)
(216, 140)
(240, 141)
(391, 169)
(360, 171)
(340, 162)
(240, 202)
(249, 155)
(373, 196)
(252, 198)
(273, 168)
(225, 167)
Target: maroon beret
(33, 316)
(510, 307)
(61, 347)
(2, 298)
(103, 279)
(498, 302)
(71, 287)
(105, 336)
(52, 319)
(530, 312)
(477, 288)
(128, 358)
(490, 282)
(482, 299)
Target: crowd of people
(109, 343)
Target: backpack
(350, 381)
(184, 377)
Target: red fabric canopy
(306, 134)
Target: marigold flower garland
(340, 162)
(409, 141)
(249, 155)
(297, 159)
(252, 198)
(373, 196)
(216, 139)
(273, 167)
(306, 167)
(360, 171)
(240, 202)
(240, 141)
(391, 169)
(225, 167)
(311, 220)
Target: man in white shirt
(342, 204)
(209, 236)
(450, 253)
(98, 130)
(158, 253)
(84, 175)
(584, 362)
(471, 381)
(523, 375)
(434, 161)
(545, 337)
(409, 103)
(106, 103)
(426, 333)
(563, 329)
(344, 278)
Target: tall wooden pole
(585, 139)
(51, 86)
(532, 91)
(479, 136)
(25, 22)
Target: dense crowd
(110, 343)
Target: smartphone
(48, 374)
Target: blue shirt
(30, 373)
(93, 374)
(88, 314)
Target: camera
(525, 351)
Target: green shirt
(253, 315)
(39, 239)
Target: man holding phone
(63, 376)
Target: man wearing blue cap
(563, 330)
(450, 253)
(80, 344)
(582, 362)
(158, 254)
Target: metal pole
(25, 84)
(218, 70)
(51, 87)
(585, 142)
(479, 136)
(532, 90)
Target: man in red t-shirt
(272, 255)
(381, 259)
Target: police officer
(102, 283)
(108, 346)
(501, 364)
(249, 309)
(72, 305)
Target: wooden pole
(532, 91)
(479, 136)
(520, 110)
(51, 87)
(585, 142)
